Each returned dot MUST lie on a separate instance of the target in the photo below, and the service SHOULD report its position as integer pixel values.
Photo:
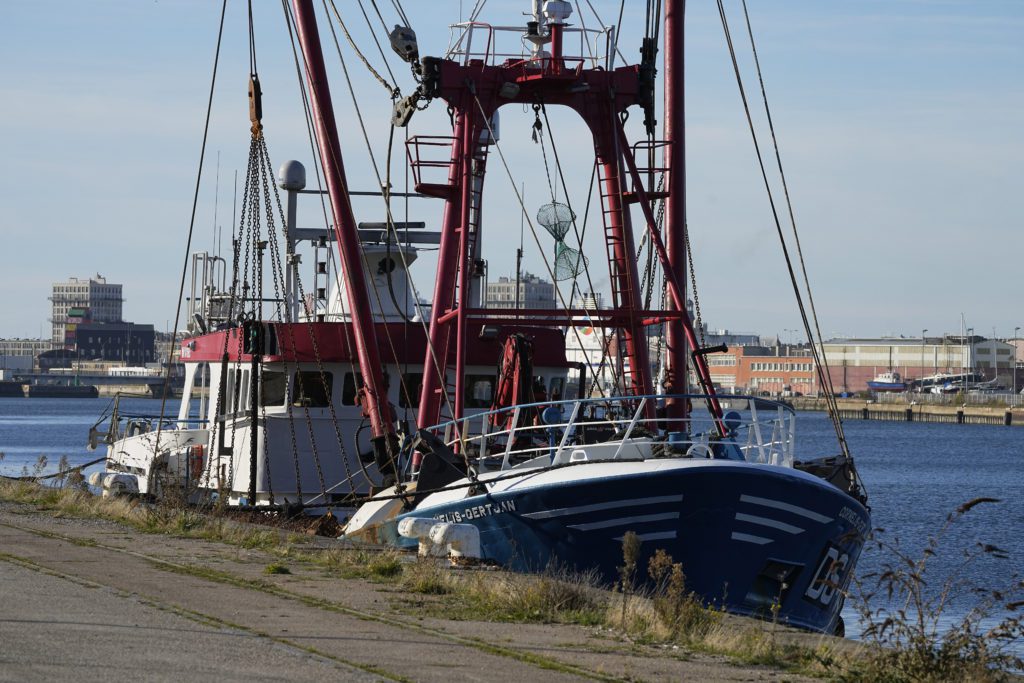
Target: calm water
(916, 474)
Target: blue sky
(899, 122)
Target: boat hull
(743, 543)
(887, 386)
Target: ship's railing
(651, 162)
(115, 424)
(559, 432)
(476, 40)
(430, 158)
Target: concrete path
(86, 599)
(54, 628)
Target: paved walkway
(86, 600)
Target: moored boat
(753, 533)
(464, 415)
(532, 486)
(887, 381)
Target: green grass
(477, 594)
(154, 519)
(900, 645)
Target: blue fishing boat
(536, 483)
(751, 529)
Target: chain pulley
(255, 106)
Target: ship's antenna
(519, 251)
(234, 209)
(216, 202)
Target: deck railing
(559, 432)
(479, 41)
(115, 424)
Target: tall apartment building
(533, 293)
(79, 301)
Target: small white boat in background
(887, 381)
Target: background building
(764, 370)
(591, 301)
(77, 302)
(24, 347)
(533, 293)
(854, 362)
(11, 365)
(129, 343)
(729, 338)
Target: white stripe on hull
(750, 538)
(597, 507)
(624, 521)
(766, 521)
(788, 507)
(653, 536)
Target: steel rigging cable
(191, 226)
(826, 385)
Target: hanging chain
(290, 253)
(538, 137)
(693, 286)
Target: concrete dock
(87, 599)
(860, 409)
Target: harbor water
(916, 474)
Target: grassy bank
(666, 616)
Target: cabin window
(349, 389)
(272, 388)
(353, 383)
(413, 384)
(557, 388)
(243, 391)
(313, 389)
(478, 391)
(234, 381)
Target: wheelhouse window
(242, 389)
(412, 385)
(557, 388)
(227, 403)
(272, 388)
(313, 389)
(353, 383)
(479, 391)
(350, 388)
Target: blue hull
(746, 535)
(887, 386)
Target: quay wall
(860, 409)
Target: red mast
(373, 396)
(475, 88)
(675, 203)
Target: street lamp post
(969, 369)
(923, 332)
(1013, 360)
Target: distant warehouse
(856, 361)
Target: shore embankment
(148, 595)
(909, 410)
